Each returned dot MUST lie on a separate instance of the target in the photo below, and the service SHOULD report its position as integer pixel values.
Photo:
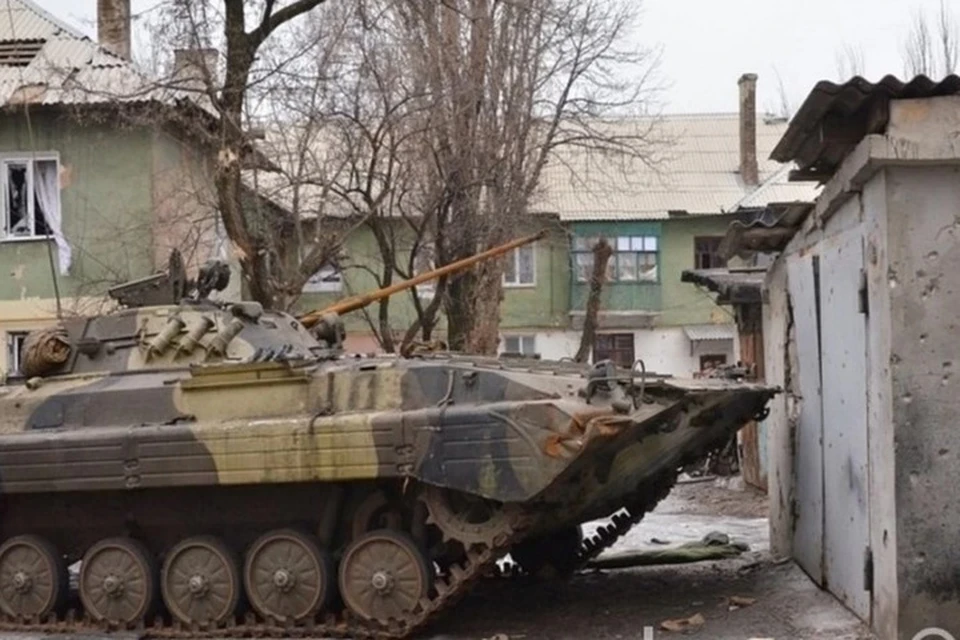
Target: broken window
(31, 202)
(706, 253)
(15, 352)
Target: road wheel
(287, 576)
(383, 576)
(33, 577)
(118, 581)
(200, 582)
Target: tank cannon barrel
(357, 302)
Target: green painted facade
(546, 304)
(105, 200)
(683, 303)
(111, 180)
(542, 304)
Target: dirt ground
(626, 604)
(632, 604)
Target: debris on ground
(683, 624)
(713, 546)
(739, 602)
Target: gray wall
(908, 217)
(924, 289)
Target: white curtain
(46, 186)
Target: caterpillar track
(480, 560)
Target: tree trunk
(602, 252)
(460, 309)
(484, 337)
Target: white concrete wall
(664, 351)
(779, 426)
(903, 191)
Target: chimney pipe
(192, 68)
(749, 171)
(113, 26)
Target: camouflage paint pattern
(204, 395)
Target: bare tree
(850, 62)
(504, 85)
(948, 39)
(935, 50)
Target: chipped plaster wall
(105, 204)
(924, 289)
(904, 190)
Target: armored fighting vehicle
(217, 467)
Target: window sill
(586, 283)
(17, 239)
(518, 285)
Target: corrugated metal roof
(836, 117)
(696, 171)
(701, 332)
(733, 286)
(70, 68)
(769, 230)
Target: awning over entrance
(702, 332)
(699, 333)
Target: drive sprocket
(468, 519)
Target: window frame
(601, 337)
(322, 285)
(520, 338)
(425, 290)
(613, 267)
(719, 358)
(14, 355)
(29, 160)
(514, 256)
(713, 252)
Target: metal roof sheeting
(70, 67)
(703, 332)
(733, 286)
(836, 117)
(770, 230)
(694, 169)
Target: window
(520, 268)
(712, 362)
(31, 201)
(526, 345)
(424, 261)
(634, 259)
(615, 346)
(327, 280)
(706, 253)
(14, 352)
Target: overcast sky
(708, 44)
